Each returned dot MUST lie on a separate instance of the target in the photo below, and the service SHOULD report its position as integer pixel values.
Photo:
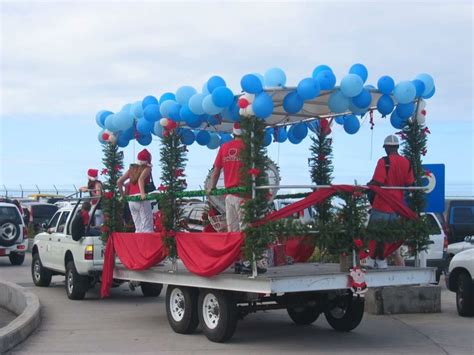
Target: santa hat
(144, 157)
(92, 174)
(236, 129)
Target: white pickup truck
(56, 253)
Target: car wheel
(10, 231)
(181, 308)
(151, 289)
(41, 276)
(346, 314)
(465, 295)
(16, 258)
(303, 315)
(76, 285)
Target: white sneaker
(381, 263)
(368, 262)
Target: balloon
(385, 104)
(340, 120)
(187, 136)
(126, 108)
(186, 114)
(428, 81)
(260, 77)
(110, 123)
(263, 105)
(225, 137)
(149, 100)
(100, 138)
(396, 121)
(292, 103)
(137, 109)
(351, 124)
(319, 69)
(308, 89)
(168, 106)
(144, 139)
(405, 110)
(214, 82)
(213, 120)
(152, 113)
(404, 92)
(222, 97)
(194, 122)
(338, 103)
(356, 110)
(268, 137)
(214, 141)
(280, 134)
(123, 120)
(386, 85)
(184, 93)
(419, 86)
(326, 79)
(251, 83)
(128, 133)
(209, 107)
(430, 95)
(359, 70)
(291, 136)
(144, 126)
(167, 96)
(205, 91)
(203, 137)
(362, 100)
(195, 104)
(174, 112)
(300, 130)
(122, 141)
(351, 85)
(101, 116)
(158, 129)
(275, 77)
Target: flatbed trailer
(305, 290)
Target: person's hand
(142, 196)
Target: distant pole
(6, 191)
(57, 192)
(21, 189)
(37, 188)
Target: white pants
(234, 213)
(142, 216)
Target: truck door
(46, 253)
(58, 242)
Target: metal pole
(267, 187)
(21, 189)
(37, 188)
(6, 191)
(57, 192)
(254, 194)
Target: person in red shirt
(393, 170)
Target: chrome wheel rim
(37, 270)
(8, 231)
(210, 311)
(70, 282)
(177, 304)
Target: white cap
(236, 129)
(391, 140)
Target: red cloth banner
(299, 248)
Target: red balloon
(243, 103)
(105, 136)
(171, 124)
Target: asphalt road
(129, 323)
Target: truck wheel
(76, 285)
(16, 258)
(41, 276)
(465, 295)
(347, 313)
(9, 232)
(303, 315)
(151, 289)
(181, 308)
(217, 314)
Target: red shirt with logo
(399, 174)
(228, 159)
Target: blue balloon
(195, 122)
(215, 82)
(101, 116)
(144, 126)
(404, 92)
(167, 96)
(405, 110)
(123, 120)
(430, 95)
(351, 124)
(174, 112)
(338, 103)
(314, 126)
(291, 136)
(386, 85)
(300, 130)
(419, 86)
(326, 79)
(281, 134)
(110, 123)
(122, 141)
(385, 104)
(213, 120)
(195, 104)
(308, 88)
(209, 107)
(144, 139)
(363, 100)
(214, 141)
(292, 103)
(205, 91)
(268, 137)
(98, 120)
(356, 110)
(260, 77)
(222, 97)
(263, 105)
(360, 70)
(152, 113)
(275, 77)
(428, 81)
(184, 93)
(251, 83)
(128, 133)
(396, 121)
(319, 69)
(186, 114)
(187, 136)
(149, 100)
(137, 109)
(99, 137)
(225, 137)
(203, 137)
(340, 119)
(158, 129)
(126, 108)
(168, 106)
(351, 85)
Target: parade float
(201, 286)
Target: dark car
(459, 215)
(39, 213)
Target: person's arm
(216, 172)
(121, 180)
(141, 182)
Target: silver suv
(13, 234)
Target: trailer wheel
(346, 314)
(303, 315)
(181, 308)
(217, 314)
(151, 289)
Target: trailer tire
(41, 276)
(303, 315)
(347, 314)
(76, 285)
(217, 314)
(151, 289)
(181, 309)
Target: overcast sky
(61, 62)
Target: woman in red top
(94, 187)
(139, 175)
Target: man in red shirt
(392, 170)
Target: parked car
(460, 279)
(459, 214)
(13, 234)
(39, 213)
(456, 248)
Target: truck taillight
(89, 252)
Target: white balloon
(250, 97)
(164, 122)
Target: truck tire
(465, 295)
(181, 308)
(151, 289)
(347, 314)
(217, 312)
(16, 258)
(41, 276)
(303, 315)
(76, 285)
(9, 232)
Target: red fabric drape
(208, 254)
(299, 248)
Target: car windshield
(9, 213)
(43, 211)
